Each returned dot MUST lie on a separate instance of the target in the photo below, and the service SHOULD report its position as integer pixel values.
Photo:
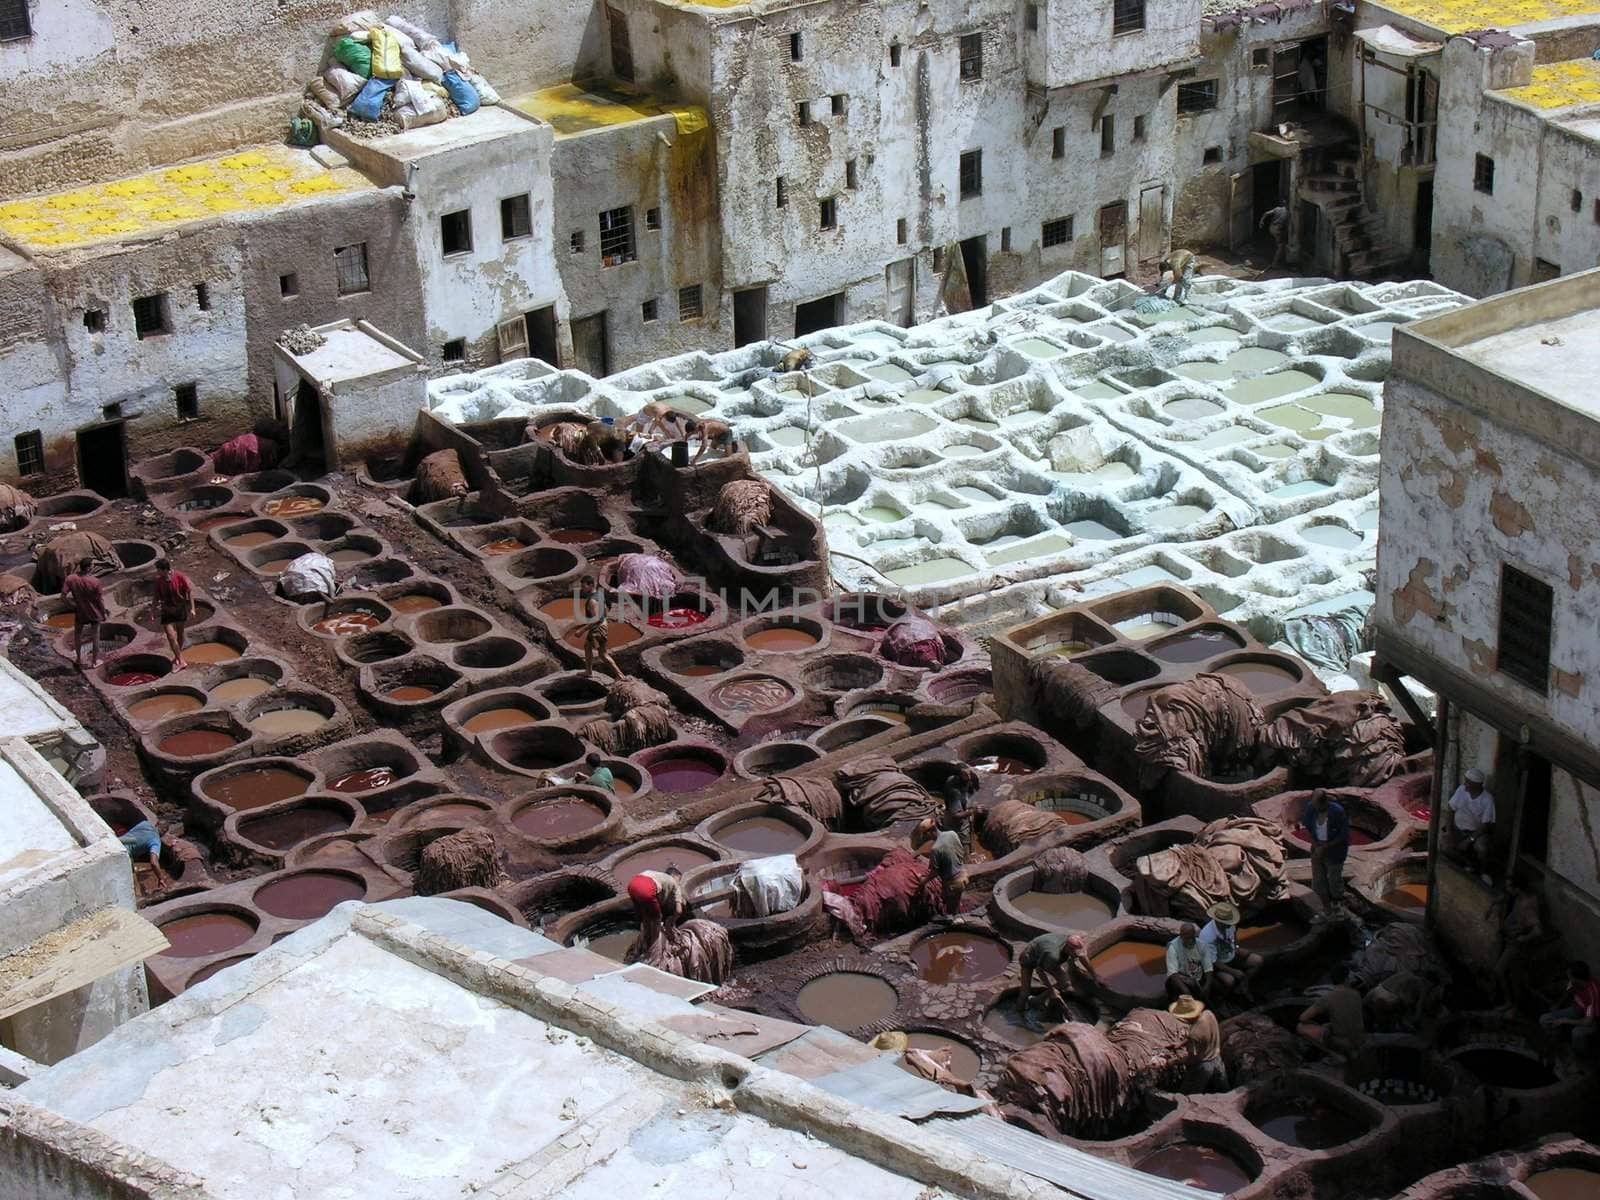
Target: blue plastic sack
(368, 106)
(462, 93)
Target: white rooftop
(1559, 357)
(352, 352)
(32, 835)
(26, 709)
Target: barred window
(1057, 232)
(616, 237)
(1200, 96)
(1526, 610)
(971, 174)
(150, 315)
(1127, 16)
(30, 452)
(690, 303)
(972, 56)
(14, 23)
(350, 262)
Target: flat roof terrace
(583, 107)
(1464, 16)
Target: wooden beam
(1385, 674)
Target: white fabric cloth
(1471, 812)
(767, 886)
(309, 575)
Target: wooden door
(589, 345)
(1152, 224)
(1113, 239)
(900, 279)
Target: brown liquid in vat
(292, 506)
(493, 719)
(365, 780)
(244, 688)
(762, 835)
(192, 743)
(563, 817)
(308, 896)
(206, 653)
(409, 693)
(1133, 968)
(782, 638)
(157, 708)
(281, 722)
(416, 602)
(1564, 1183)
(257, 787)
(206, 933)
(960, 958)
(846, 999)
(1063, 910)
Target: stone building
(1487, 585)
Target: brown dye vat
(282, 830)
(61, 620)
(699, 670)
(349, 556)
(1197, 646)
(283, 721)
(964, 1060)
(897, 715)
(1064, 910)
(307, 896)
(1309, 1125)
(192, 743)
(957, 957)
(1135, 705)
(491, 720)
(612, 942)
(206, 524)
(576, 537)
(1133, 968)
(257, 787)
(207, 653)
(1564, 1183)
(206, 972)
(347, 624)
(206, 933)
(762, 835)
(410, 693)
(760, 693)
(1505, 1068)
(618, 633)
(274, 566)
(504, 546)
(416, 602)
(1005, 1022)
(1358, 836)
(246, 541)
(156, 708)
(662, 858)
(564, 609)
(1001, 764)
(563, 817)
(1408, 897)
(1197, 1166)
(365, 780)
(246, 687)
(846, 999)
(1272, 937)
(292, 506)
(782, 638)
(1261, 678)
(684, 774)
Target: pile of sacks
(393, 74)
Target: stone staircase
(1332, 182)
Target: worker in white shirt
(1471, 831)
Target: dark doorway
(589, 345)
(541, 324)
(821, 313)
(975, 258)
(305, 431)
(1300, 78)
(103, 459)
(749, 316)
(1535, 831)
(1267, 187)
(1422, 239)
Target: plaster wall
(31, 363)
(366, 417)
(1076, 44)
(531, 44)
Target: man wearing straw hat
(1207, 1072)
(1234, 967)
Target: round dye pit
(1407, 897)
(196, 743)
(963, 1059)
(618, 633)
(1133, 968)
(292, 506)
(1264, 679)
(257, 787)
(365, 780)
(132, 676)
(610, 941)
(347, 624)
(410, 693)
(1198, 1166)
(1502, 1067)
(286, 722)
(216, 968)
(1001, 764)
(1197, 646)
(1274, 936)
(762, 835)
(752, 694)
(283, 830)
(677, 618)
(252, 539)
(61, 620)
(960, 957)
(1397, 1091)
(575, 536)
(204, 654)
(781, 639)
(564, 609)
(206, 933)
(1307, 1123)
(1063, 910)
(846, 999)
(246, 687)
(308, 895)
(501, 547)
(167, 704)
(684, 773)
(660, 858)
(1564, 1183)
(1004, 1021)
(492, 720)
(414, 602)
(562, 817)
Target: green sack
(302, 132)
(354, 55)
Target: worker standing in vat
(88, 601)
(713, 434)
(1335, 1022)
(1061, 961)
(1276, 222)
(1329, 829)
(958, 789)
(1471, 814)
(594, 605)
(1181, 266)
(1521, 930)
(174, 607)
(1234, 967)
(598, 774)
(655, 421)
(948, 858)
(1190, 963)
(1207, 1071)
(143, 841)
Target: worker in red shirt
(174, 607)
(88, 602)
(1578, 1011)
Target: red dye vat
(677, 618)
(1423, 813)
(364, 781)
(1358, 837)
(132, 678)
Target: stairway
(1332, 182)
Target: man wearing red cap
(667, 941)
(659, 901)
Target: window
(1261, 57)
(828, 214)
(288, 285)
(516, 217)
(1138, 129)
(94, 319)
(894, 54)
(1577, 200)
(652, 218)
(350, 264)
(1108, 136)
(850, 180)
(1200, 96)
(1058, 142)
(802, 113)
(187, 398)
(796, 48)
(621, 45)
(837, 103)
(1127, 16)
(1483, 175)
(202, 293)
(1526, 606)
(1212, 155)
(30, 452)
(971, 174)
(455, 350)
(616, 237)
(1030, 18)
(938, 259)
(455, 231)
(1005, 239)
(150, 315)
(900, 231)
(781, 194)
(14, 22)
(111, 412)
(576, 241)
(1057, 232)
(1596, 221)
(691, 304)
(648, 311)
(972, 56)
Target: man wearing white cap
(1471, 810)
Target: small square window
(1526, 612)
(802, 113)
(455, 232)
(14, 22)
(455, 350)
(202, 293)
(1577, 200)
(1030, 18)
(691, 303)
(94, 319)
(1057, 232)
(648, 311)
(30, 452)
(350, 265)
(1127, 16)
(1261, 57)
(150, 316)
(1212, 155)
(1058, 142)
(1199, 96)
(1138, 129)
(289, 285)
(1108, 135)
(111, 412)
(894, 54)
(971, 174)
(837, 103)
(781, 192)
(652, 218)
(576, 241)
(850, 180)
(971, 56)
(516, 217)
(187, 398)
(828, 214)
(900, 232)
(1005, 239)
(1483, 175)
(616, 237)
(796, 48)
